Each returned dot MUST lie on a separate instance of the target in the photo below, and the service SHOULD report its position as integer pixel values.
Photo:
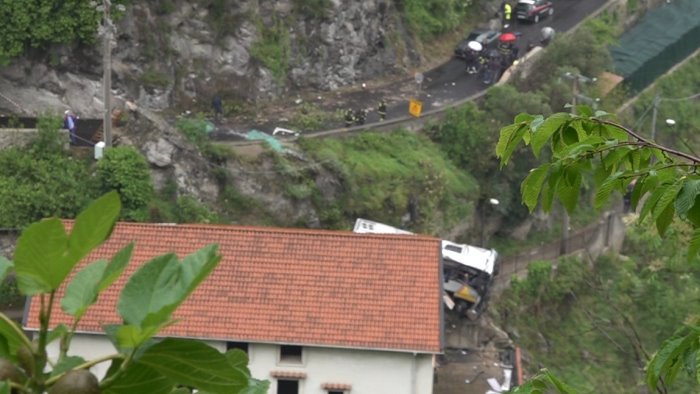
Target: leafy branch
(614, 159)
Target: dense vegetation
(596, 325)
(384, 176)
(36, 24)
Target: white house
(318, 312)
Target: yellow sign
(415, 107)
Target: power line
(696, 95)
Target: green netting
(665, 36)
(259, 135)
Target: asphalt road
(449, 82)
(442, 85)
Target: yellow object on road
(415, 107)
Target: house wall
(369, 372)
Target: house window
(287, 386)
(237, 345)
(290, 354)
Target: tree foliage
(140, 364)
(663, 181)
(125, 170)
(42, 180)
(35, 24)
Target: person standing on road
(69, 122)
(218, 107)
(381, 110)
(507, 11)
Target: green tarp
(662, 38)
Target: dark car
(485, 37)
(533, 10)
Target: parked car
(533, 10)
(485, 37)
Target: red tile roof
(290, 286)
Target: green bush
(272, 49)
(39, 23)
(125, 170)
(154, 79)
(34, 186)
(385, 175)
(195, 129)
(189, 210)
(430, 18)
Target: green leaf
(116, 267)
(694, 245)
(523, 118)
(161, 285)
(507, 142)
(662, 363)
(570, 191)
(238, 359)
(4, 388)
(13, 334)
(667, 198)
(577, 124)
(686, 197)
(193, 363)
(532, 185)
(5, 349)
(651, 202)
(606, 188)
(615, 158)
(140, 378)
(614, 132)
(584, 110)
(129, 337)
(5, 267)
(93, 225)
(561, 386)
(550, 126)
(39, 257)
(57, 332)
(66, 364)
(81, 292)
(91, 280)
(256, 386)
(664, 219)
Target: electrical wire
(696, 95)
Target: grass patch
(384, 176)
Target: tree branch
(649, 143)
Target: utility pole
(654, 111)
(107, 30)
(565, 222)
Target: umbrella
(507, 37)
(475, 46)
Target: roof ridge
(266, 229)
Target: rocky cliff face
(172, 52)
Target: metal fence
(597, 234)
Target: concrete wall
(369, 372)
(16, 137)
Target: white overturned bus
(468, 270)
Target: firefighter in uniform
(349, 117)
(381, 110)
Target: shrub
(124, 169)
(272, 49)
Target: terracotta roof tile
(295, 286)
